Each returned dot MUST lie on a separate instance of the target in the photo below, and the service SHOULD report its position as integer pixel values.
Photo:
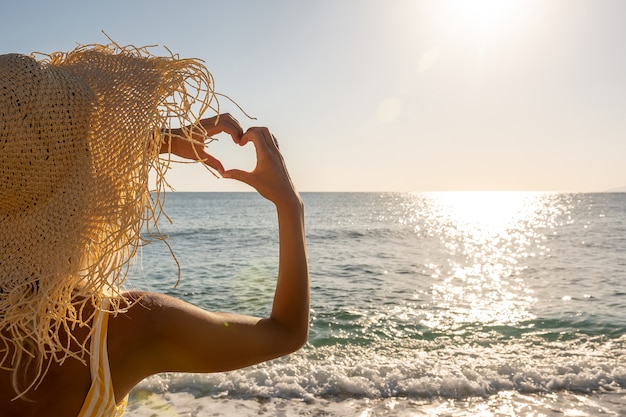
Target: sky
(401, 95)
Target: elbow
(292, 339)
(300, 339)
(295, 339)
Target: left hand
(195, 151)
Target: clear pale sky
(388, 95)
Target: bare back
(60, 394)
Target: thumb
(212, 162)
(237, 174)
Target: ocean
(422, 304)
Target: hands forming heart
(270, 177)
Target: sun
(480, 14)
(480, 22)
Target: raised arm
(161, 333)
(270, 178)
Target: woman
(78, 134)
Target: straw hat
(79, 132)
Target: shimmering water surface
(454, 304)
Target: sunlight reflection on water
(488, 235)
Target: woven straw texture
(79, 132)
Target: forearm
(291, 301)
(289, 320)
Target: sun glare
(481, 23)
(491, 212)
(480, 14)
(488, 234)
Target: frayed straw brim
(79, 132)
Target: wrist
(292, 203)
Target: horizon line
(618, 190)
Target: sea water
(422, 304)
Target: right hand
(269, 177)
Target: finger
(223, 123)
(213, 162)
(251, 135)
(207, 128)
(259, 136)
(231, 126)
(275, 141)
(269, 139)
(235, 133)
(237, 174)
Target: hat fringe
(138, 97)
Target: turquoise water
(422, 304)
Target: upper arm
(161, 333)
